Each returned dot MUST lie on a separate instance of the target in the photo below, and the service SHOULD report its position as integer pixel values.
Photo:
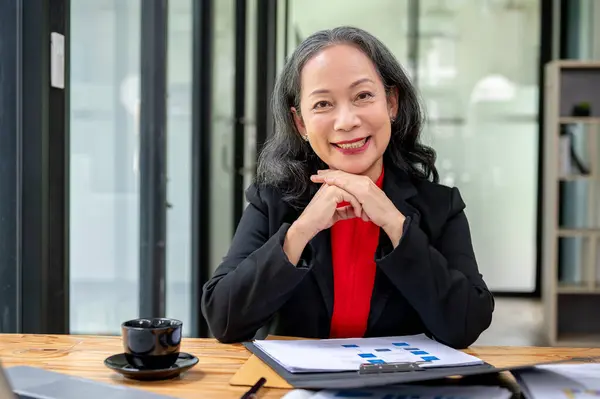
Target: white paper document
(331, 355)
(560, 381)
(408, 391)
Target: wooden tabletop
(83, 356)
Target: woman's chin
(355, 168)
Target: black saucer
(117, 362)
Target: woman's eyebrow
(352, 85)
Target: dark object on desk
(152, 343)
(355, 379)
(251, 393)
(119, 363)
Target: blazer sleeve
(255, 277)
(442, 281)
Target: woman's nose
(346, 119)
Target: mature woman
(347, 233)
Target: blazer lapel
(323, 267)
(398, 189)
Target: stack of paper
(408, 391)
(331, 355)
(560, 381)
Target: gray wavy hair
(287, 161)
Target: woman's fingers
(354, 202)
(345, 213)
(365, 217)
(343, 196)
(340, 196)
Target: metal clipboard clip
(400, 367)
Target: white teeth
(356, 144)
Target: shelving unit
(571, 203)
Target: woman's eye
(321, 104)
(364, 96)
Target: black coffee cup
(151, 343)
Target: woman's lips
(354, 146)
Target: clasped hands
(365, 199)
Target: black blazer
(428, 284)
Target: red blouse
(353, 246)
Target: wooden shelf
(578, 119)
(577, 232)
(578, 340)
(571, 253)
(576, 64)
(577, 289)
(577, 177)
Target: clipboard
(262, 365)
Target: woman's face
(345, 111)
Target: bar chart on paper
(331, 355)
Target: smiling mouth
(353, 145)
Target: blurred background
(129, 130)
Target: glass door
(179, 153)
(157, 156)
(223, 126)
(482, 110)
(104, 164)
(131, 163)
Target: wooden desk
(84, 356)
